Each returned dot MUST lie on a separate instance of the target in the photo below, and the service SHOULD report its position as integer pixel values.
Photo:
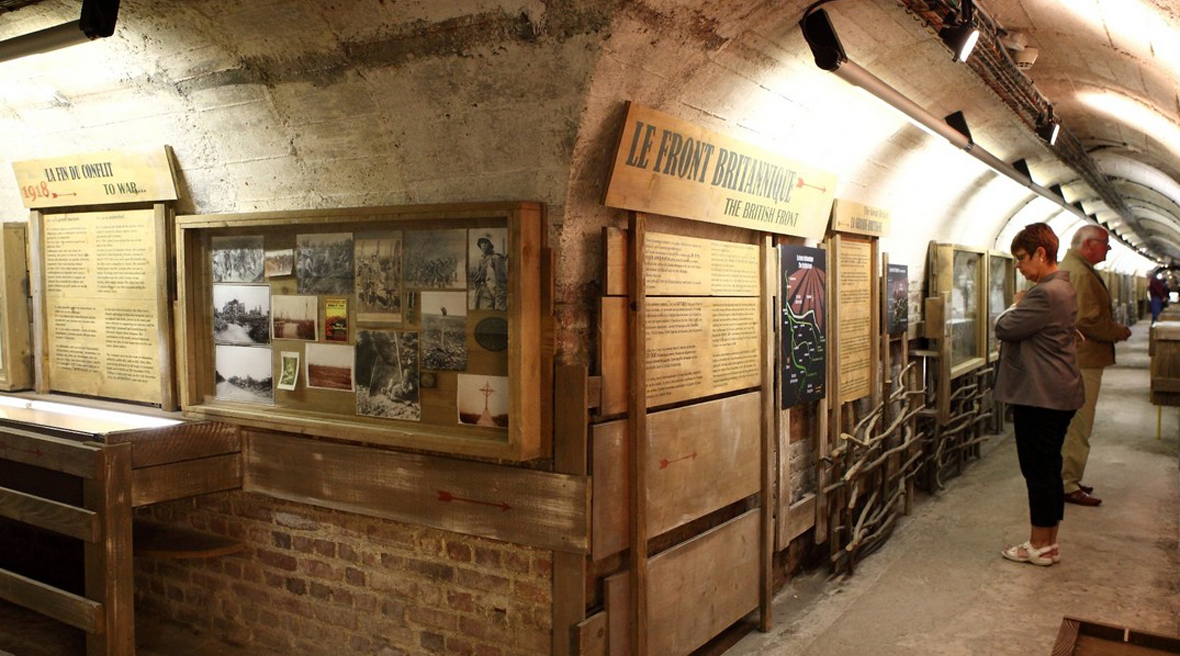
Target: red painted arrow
(72, 193)
(34, 451)
(664, 463)
(443, 495)
(801, 183)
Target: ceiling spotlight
(959, 32)
(1048, 131)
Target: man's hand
(1126, 334)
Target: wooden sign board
(675, 265)
(668, 166)
(97, 179)
(701, 346)
(101, 299)
(857, 218)
(854, 331)
(16, 349)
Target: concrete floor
(940, 587)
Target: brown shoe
(1081, 498)
(1085, 488)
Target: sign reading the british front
(668, 166)
(97, 179)
(860, 219)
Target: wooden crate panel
(1165, 373)
(1086, 638)
(700, 458)
(696, 590)
(517, 505)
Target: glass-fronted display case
(1001, 288)
(958, 276)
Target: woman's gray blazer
(1038, 356)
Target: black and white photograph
(379, 277)
(436, 259)
(444, 331)
(387, 375)
(329, 366)
(241, 314)
(288, 370)
(279, 263)
(294, 317)
(323, 263)
(244, 375)
(237, 259)
(483, 400)
(487, 269)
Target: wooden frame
(16, 349)
(162, 220)
(1009, 294)
(1078, 636)
(526, 437)
(941, 274)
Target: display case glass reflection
(964, 313)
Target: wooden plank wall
(523, 506)
(687, 609)
(701, 458)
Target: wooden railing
(103, 523)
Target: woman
(1039, 378)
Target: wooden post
(571, 418)
(637, 424)
(769, 407)
(109, 572)
(37, 292)
(831, 398)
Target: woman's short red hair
(1034, 236)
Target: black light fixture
(1056, 188)
(1048, 127)
(959, 122)
(96, 22)
(959, 32)
(821, 37)
(1022, 166)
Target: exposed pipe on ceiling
(97, 22)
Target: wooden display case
(411, 371)
(959, 275)
(1001, 289)
(16, 349)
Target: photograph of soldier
(279, 263)
(387, 375)
(379, 277)
(444, 331)
(487, 273)
(435, 259)
(237, 259)
(289, 370)
(323, 263)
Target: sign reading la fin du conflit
(668, 166)
(139, 176)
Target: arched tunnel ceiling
(1111, 69)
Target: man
(1089, 247)
(490, 277)
(1158, 292)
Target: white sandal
(1041, 557)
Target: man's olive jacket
(1094, 321)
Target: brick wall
(321, 582)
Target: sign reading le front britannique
(668, 166)
(141, 176)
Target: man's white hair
(1086, 232)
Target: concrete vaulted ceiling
(1111, 69)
